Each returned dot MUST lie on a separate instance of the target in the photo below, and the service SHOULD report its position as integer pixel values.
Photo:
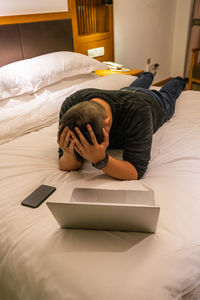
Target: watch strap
(102, 164)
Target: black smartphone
(38, 196)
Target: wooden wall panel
(94, 27)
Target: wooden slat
(92, 17)
(34, 18)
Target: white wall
(20, 7)
(155, 29)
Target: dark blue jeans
(166, 96)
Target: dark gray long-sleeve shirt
(136, 116)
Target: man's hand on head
(68, 160)
(65, 140)
(95, 152)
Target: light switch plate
(96, 52)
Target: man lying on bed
(92, 120)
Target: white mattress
(39, 260)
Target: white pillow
(30, 75)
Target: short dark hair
(83, 113)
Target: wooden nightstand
(132, 72)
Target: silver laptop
(100, 209)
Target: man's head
(83, 113)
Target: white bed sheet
(39, 260)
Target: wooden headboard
(92, 24)
(26, 40)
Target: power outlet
(96, 52)
(152, 67)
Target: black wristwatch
(102, 164)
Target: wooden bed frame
(81, 42)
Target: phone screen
(38, 196)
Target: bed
(38, 259)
